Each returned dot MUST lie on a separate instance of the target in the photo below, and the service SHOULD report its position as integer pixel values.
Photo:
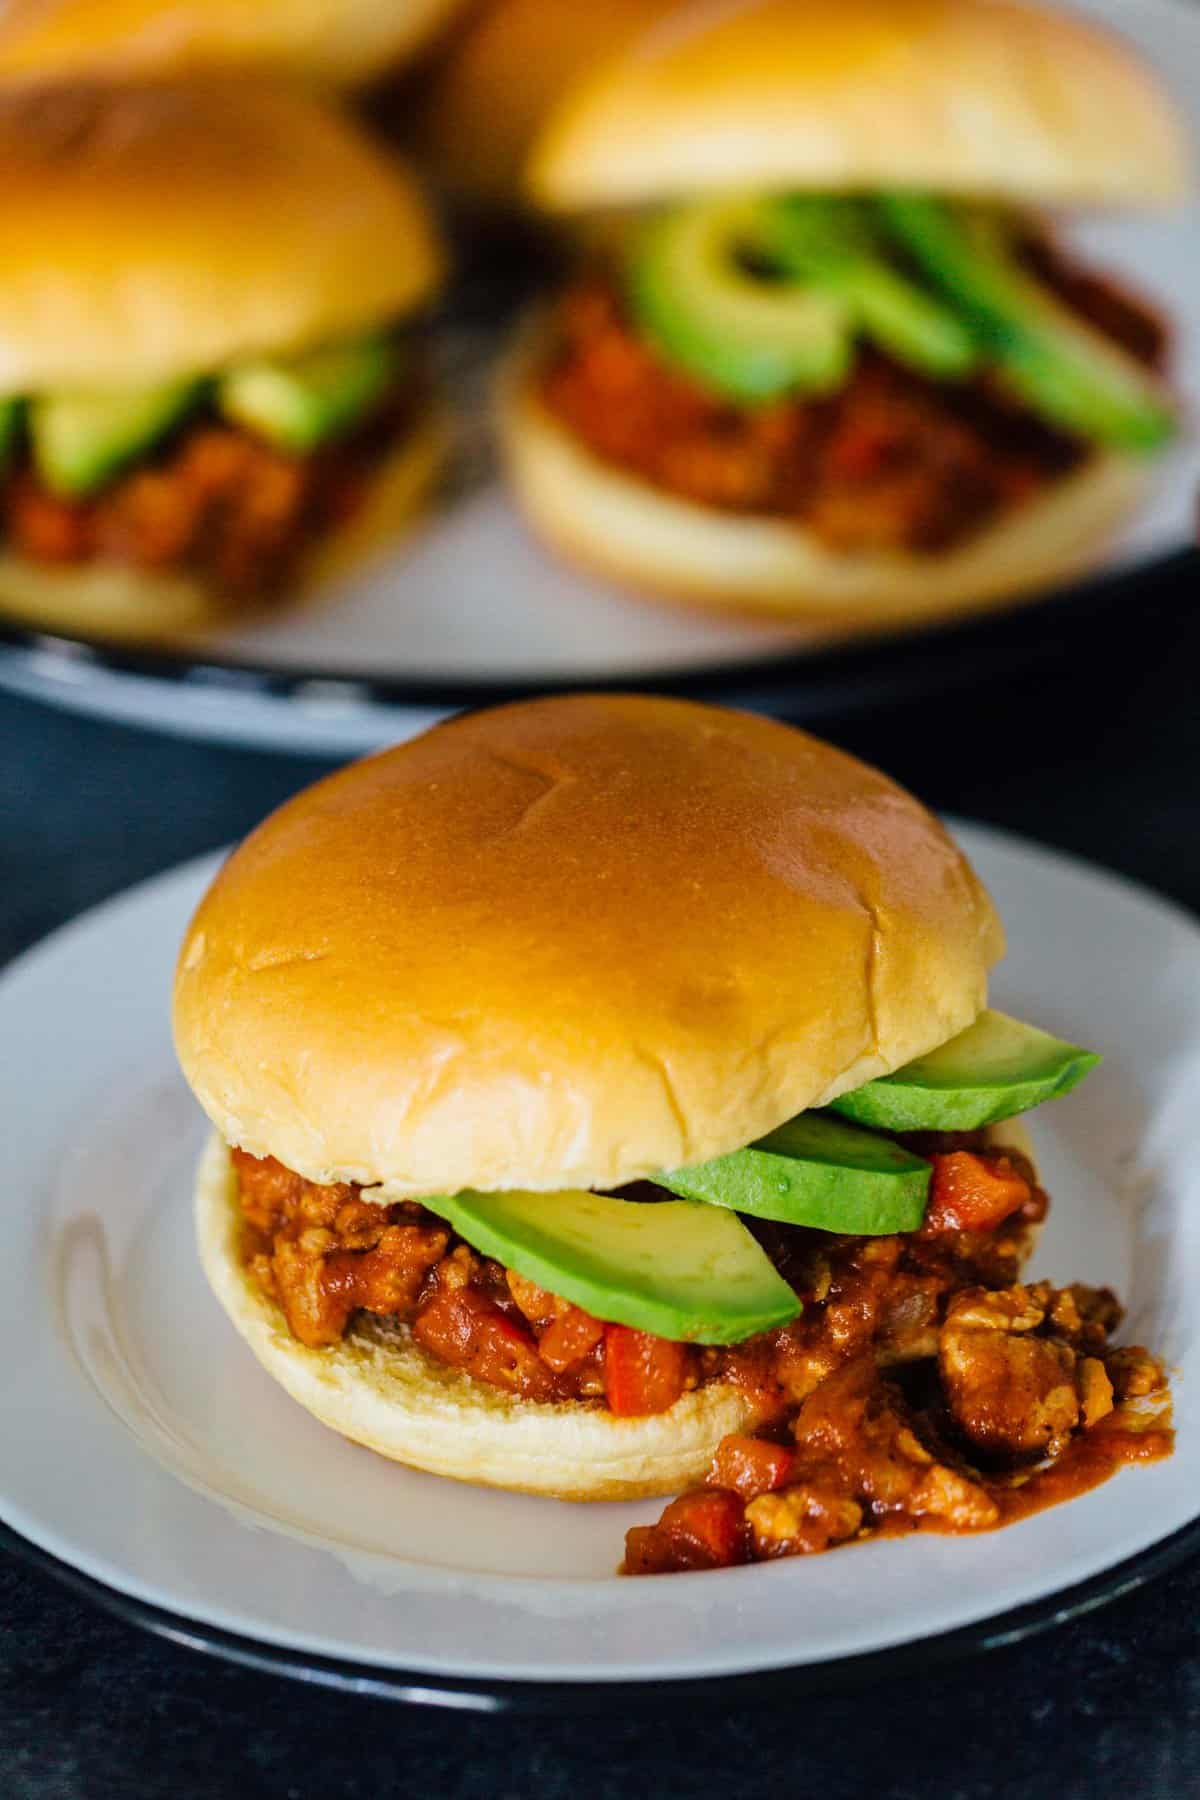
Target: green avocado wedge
(1068, 374)
(679, 1270)
(819, 1172)
(832, 243)
(299, 403)
(83, 438)
(993, 1070)
(10, 426)
(750, 338)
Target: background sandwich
(209, 390)
(562, 1063)
(835, 363)
(340, 42)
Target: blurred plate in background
(472, 610)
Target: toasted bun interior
(113, 601)
(380, 1388)
(618, 525)
(321, 40)
(975, 96)
(571, 942)
(167, 230)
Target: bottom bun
(378, 1387)
(643, 537)
(112, 600)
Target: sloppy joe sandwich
(211, 390)
(833, 358)
(606, 1101)
(326, 41)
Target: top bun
(337, 41)
(569, 943)
(972, 96)
(164, 230)
(480, 108)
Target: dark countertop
(1099, 753)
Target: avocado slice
(994, 1069)
(693, 294)
(833, 245)
(818, 1172)
(84, 437)
(10, 425)
(1071, 376)
(676, 1269)
(299, 403)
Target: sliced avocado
(994, 1069)
(82, 438)
(694, 295)
(10, 425)
(1063, 370)
(680, 1270)
(815, 1171)
(832, 244)
(299, 403)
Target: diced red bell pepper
(573, 1334)
(972, 1193)
(642, 1373)
(705, 1529)
(751, 1466)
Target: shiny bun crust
(378, 1387)
(112, 601)
(568, 943)
(477, 111)
(619, 526)
(147, 233)
(974, 96)
(330, 41)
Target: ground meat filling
(213, 502)
(924, 1386)
(893, 461)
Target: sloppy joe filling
(893, 461)
(924, 1386)
(214, 501)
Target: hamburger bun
(329, 41)
(167, 230)
(609, 521)
(116, 602)
(985, 97)
(379, 1388)
(570, 943)
(474, 114)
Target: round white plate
(471, 608)
(145, 1449)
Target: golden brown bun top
(571, 942)
(480, 108)
(43, 41)
(978, 96)
(168, 229)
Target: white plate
(144, 1448)
(471, 607)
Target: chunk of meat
(802, 1520)
(857, 1424)
(1010, 1390)
(320, 1285)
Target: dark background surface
(1095, 748)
